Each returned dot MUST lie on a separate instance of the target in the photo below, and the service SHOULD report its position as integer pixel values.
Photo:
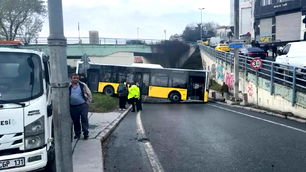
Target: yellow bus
(167, 83)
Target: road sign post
(256, 64)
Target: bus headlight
(34, 134)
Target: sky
(149, 18)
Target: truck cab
(293, 54)
(26, 141)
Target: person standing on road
(79, 98)
(133, 96)
(122, 94)
(139, 100)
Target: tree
(192, 31)
(21, 18)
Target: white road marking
(272, 122)
(154, 161)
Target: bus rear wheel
(109, 90)
(175, 97)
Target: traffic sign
(256, 63)
(236, 45)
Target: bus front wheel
(109, 90)
(175, 97)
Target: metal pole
(59, 82)
(236, 51)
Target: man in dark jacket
(122, 94)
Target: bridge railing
(287, 75)
(103, 41)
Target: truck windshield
(20, 77)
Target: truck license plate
(11, 163)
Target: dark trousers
(136, 102)
(122, 102)
(79, 115)
(139, 104)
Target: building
(223, 32)
(232, 13)
(246, 17)
(279, 21)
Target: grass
(215, 86)
(102, 103)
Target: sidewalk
(87, 154)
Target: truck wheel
(109, 90)
(175, 97)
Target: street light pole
(59, 83)
(201, 23)
(236, 51)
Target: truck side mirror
(49, 110)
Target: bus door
(196, 87)
(143, 79)
(93, 80)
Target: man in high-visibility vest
(133, 96)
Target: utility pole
(165, 32)
(59, 82)
(201, 35)
(236, 51)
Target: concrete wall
(258, 91)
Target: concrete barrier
(256, 90)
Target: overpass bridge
(125, 54)
(100, 53)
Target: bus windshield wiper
(14, 102)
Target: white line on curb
(272, 122)
(154, 161)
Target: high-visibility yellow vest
(134, 92)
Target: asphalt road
(208, 137)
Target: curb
(107, 131)
(266, 112)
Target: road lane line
(154, 161)
(272, 122)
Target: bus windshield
(20, 77)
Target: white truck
(293, 54)
(26, 139)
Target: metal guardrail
(109, 41)
(287, 75)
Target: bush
(214, 85)
(102, 103)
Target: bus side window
(178, 81)
(130, 78)
(159, 79)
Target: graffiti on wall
(220, 75)
(250, 90)
(229, 80)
